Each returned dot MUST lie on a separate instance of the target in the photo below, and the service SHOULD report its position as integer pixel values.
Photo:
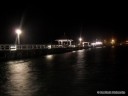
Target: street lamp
(80, 39)
(112, 41)
(18, 32)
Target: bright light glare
(93, 44)
(80, 39)
(99, 43)
(49, 46)
(49, 57)
(112, 41)
(18, 31)
(13, 48)
(96, 43)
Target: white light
(49, 46)
(49, 57)
(96, 43)
(99, 43)
(80, 39)
(18, 31)
(13, 48)
(93, 44)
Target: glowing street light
(80, 39)
(112, 41)
(18, 32)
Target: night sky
(44, 22)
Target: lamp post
(18, 32)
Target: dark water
(77, 73)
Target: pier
(13, 47)
(12, 51)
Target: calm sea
(76, 73)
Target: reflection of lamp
(18, 32)
(20, 79)
(49, 57)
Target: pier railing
(12, 47)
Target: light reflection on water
(20, 80)
(79, 68)
(49, 57)
(77, 73)
(80, 63)
(73, 51)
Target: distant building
(64, 41)
(86, 44)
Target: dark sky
(45, 22)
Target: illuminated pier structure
(64, 42)
(11, 51)
(13, 47)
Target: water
(77, 73)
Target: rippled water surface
(77, 73)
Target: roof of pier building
(64, 38)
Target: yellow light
(112, 41)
